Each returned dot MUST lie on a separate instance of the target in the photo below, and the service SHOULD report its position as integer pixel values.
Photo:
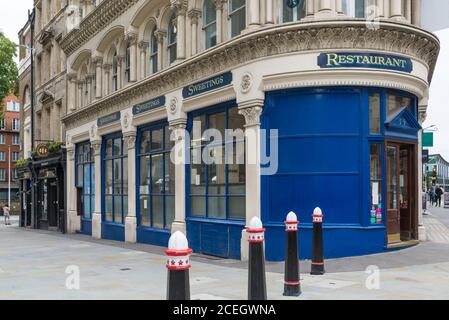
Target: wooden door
(393, 206)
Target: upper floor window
(15, 156)
(354, 8)
(2, 175)
(396, 103)
(293, 14)
(15, 124)
(128, 63)
(15, 140)
(2, 156)
(172, 39)
(114, 73)
(210, 23)
(85, 90)
(13, 106)
(2, 124)
(153, 52)
(2, 139)
(237, 15)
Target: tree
(8, 68)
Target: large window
(292, 14)
(153, 52)
(210, 23)
(354, 8)
(115, 164)
(157, 178)
(172, 39)
(85, 177)
(237, 15)
(217, 187)
(15, 124)
(128, 63)
(395, 103)
(114, 73)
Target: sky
(14, 14)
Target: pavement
(44, 265)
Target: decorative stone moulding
(300, 37)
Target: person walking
(439, 194)
(7, 213)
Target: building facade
(9, 152)
(329, 94)
(42, 173)
(437, 172)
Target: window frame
(210, 24)
(85, 163)
(114, 73)
(153, 53)
(283, 4)
(172, 45)
(232, 13)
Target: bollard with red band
(292, 284)
(257, 286)
(317, 243)
(178, 265)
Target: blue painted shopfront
(328, 139)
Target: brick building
(9, 147)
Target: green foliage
(54, 146)
(8, 68)
(21, 163)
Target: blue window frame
(85, 177)
(156, 178)
(115, 179)
(217, 188)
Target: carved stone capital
(131, 37)
(194, 15)
(180, 6)
(96, 146)
(130, 139)
(97, 61)
(107, 66)
(160, 35)
(251, 111)
(143, 45)
(70, 153)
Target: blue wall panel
(86, 227)
(153, 236)
(112, 231)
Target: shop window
(114, 73)
(376, 184)
(153, 52)
(157, 178)
(374, 113)
(217, 172)
(172, 39)
(85, 177)
(289, 14)
(115, 194)
(354, 8)
(395, 103)
(210, 23)
(237, 15)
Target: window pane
(198, 206)
(118, 209)
(145, 175)
(235, 4)
(169, 211)
(374, 113)
(125, 175)
(238, 22)
(210, 13)
(217, 171)
(86, 207)
(145, 142)
(236, 120)
(108, 208)
(360, 8)
(108, 181)
(86, 179)
(217, 121)
(156, 139)
(157, 173)
(198, 128)
(392, 157)
(197, 179)
(376, 184)
(236, 179)
(210, 33)
(216, 207)
(117, 176)
(109, 147)
(158, 211)
(145, 211)
(237, 207)
(118, 146)
(79, 180)
(396, 103)
(169, 175)
(92, 178)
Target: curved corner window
(153, 52)
(172, 39)
(114, 73)
(292, 14)
(354, 8)
(237, 15)
(210, 23)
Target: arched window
(153, 52)
(172, 38)
(114, 72)
(290, 13)
(237, 15)
(128, 63)
(210, 23)
(354, 8)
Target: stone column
(380, 12)
(325, 7)
(143, 45)
(120, 77)
(251, 110)
(71, 88)
(181, 10)
(132, 39)
(310, 9)
(96, 217)
(219, 21)
(178, 129)
(80, 94)
(339, 7)
(253, 14)
(396, 10)
(194, 16)
(98, 61)
(131, 220)
(416, 12)
(106, 78)
(73, 221)
(161, 35)
(269, 5)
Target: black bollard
(178, 265)
(257, 286)
(317, 243)
(292, 285)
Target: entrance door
(400, 192)
(52, 205)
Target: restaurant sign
(108, 119)
(207, 85)
(149, 105)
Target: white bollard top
(291, 217)
(178, 241)
(317, 212)
(255, 223)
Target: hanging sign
(42, 150)
(101, 122)
(365, 60)
(207, 85)
(149, 105)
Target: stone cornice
(279, 39)
(96, 21)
